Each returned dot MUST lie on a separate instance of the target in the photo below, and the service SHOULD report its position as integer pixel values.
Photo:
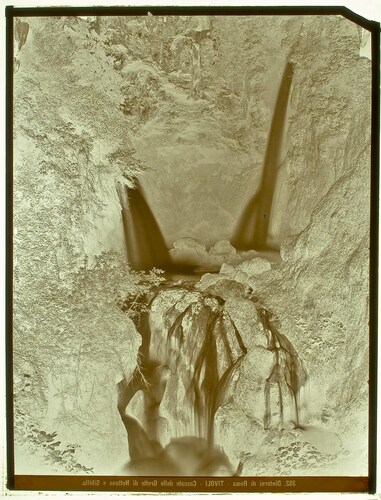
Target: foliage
(71, 145)
(143, 94)
(83, 337)
(144, 38)
(55, 122)
(127, 163)
(53, 451)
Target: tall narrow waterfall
(252, 230)
(145, 243)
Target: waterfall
(145, 243)
(287, 375)
(190, 350)
(196, 70)
(253, 227)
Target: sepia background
(99, 105)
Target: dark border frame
(372, 26)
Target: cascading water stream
(145, 243)
(190, 350)
(288, 373)
(193, 343)
(253, 227)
